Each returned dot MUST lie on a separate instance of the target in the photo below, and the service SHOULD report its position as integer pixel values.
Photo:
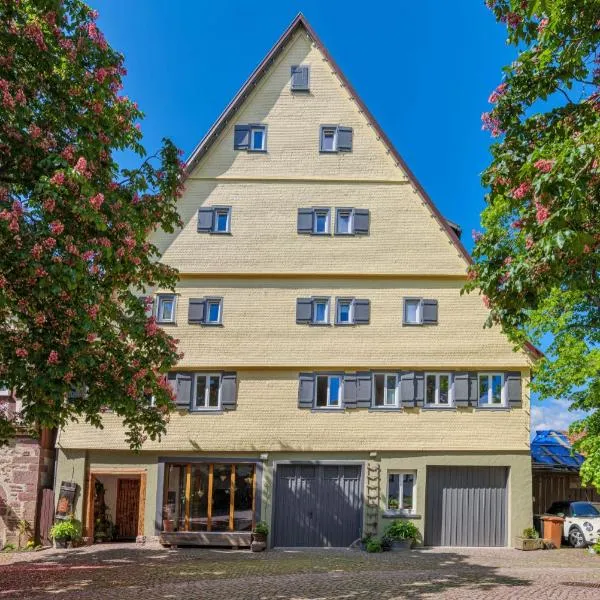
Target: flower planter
(526, 544)
(60, 543)
(400, 545)
(259, 542)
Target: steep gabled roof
(256, 76)
(258, 73)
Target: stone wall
(26, 466)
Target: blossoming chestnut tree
(538, 260)
(75, 339)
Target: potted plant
(401, 534)
(529, 540)
(374, 545)
(65, 532)
(259, 537)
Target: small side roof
(551, 449)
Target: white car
(582, 522)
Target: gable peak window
(420, 311)
(328, 391)
(438, 389)
(300, 81)
(385, 389)
(321, 221)
(165, 309)
(491, 389)
(207, 392)
(321, 311)
(335, 138)
(251, 137)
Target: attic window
(335, 138)
(300, 78)
(252, 137)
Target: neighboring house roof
(552, 450)
(452, 230)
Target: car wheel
(576, 538)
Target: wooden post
(89, 517)
(188, 491)
(232, 498)
(142, 507)
(210, 494)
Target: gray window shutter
(205, 219)
(461, 389)
(241, 137)
(196, 310)
(407, 388)
(364, 389)
(184, 390)
(344, 139)
(430, 312)
(419, 388)
(473, 389)
(349, 390)
(306, 390)
(304, 310)
(300, 77)
(228, 391)
(514, 391)
(172, 381)
(305, 220)
(362, 312)
(361, 221)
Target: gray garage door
(317, 505)
(466, 506)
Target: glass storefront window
(209, 497)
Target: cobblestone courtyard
(151, 572)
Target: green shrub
(69, 529)
(374, 545)
(261, 528)
(9, 548)
(402, 530)
(529, 533)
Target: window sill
(220, 232)
(493, 408)
(389, 513)
(166, 322)
(320, 324)
(318, 234)
(438, 407)
(328, 151)
(406, 324)
(252, 151)
(206, 411)
(327, 410)
(385, 408)
(212, 324)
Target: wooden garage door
(317, 505)
(466, 506)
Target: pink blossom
(508, 260)
(542, 24)
(58, 178)
(151, 327)
(21, 352)
(491, 123)
(529, 243)
(518, 224)
(49, 205)
(49, 243)
(34, 33)
(542, 213)
(40, 319)
(486, 301)
(544, 165)
(81, 165)
(91, 337)
(497, 93)
(97, 200)
(88, 255)
(20, 97)
(92, 311)
(512, 19)
(68, 377)
(56, 227)
(35, 131)
(68, 153)
(36, 251)
(101, 74)
(7, 100)
(52, 358)
(521, 191)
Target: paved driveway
(121, 572)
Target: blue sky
(425, 70)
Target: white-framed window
(491, 389)
(344, 311)
(165, 308)
(385, 390)
(207, 391)
(321, 221)
(413, 311)
(328, 139)
(438, 389)
(258, 138)
(402, 491)
(320, 313)
(328, 391)
(344, 221)
(214, 311)
(222, 219)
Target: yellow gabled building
(333, 377)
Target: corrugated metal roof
(551, 449)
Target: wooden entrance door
(128, 507)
